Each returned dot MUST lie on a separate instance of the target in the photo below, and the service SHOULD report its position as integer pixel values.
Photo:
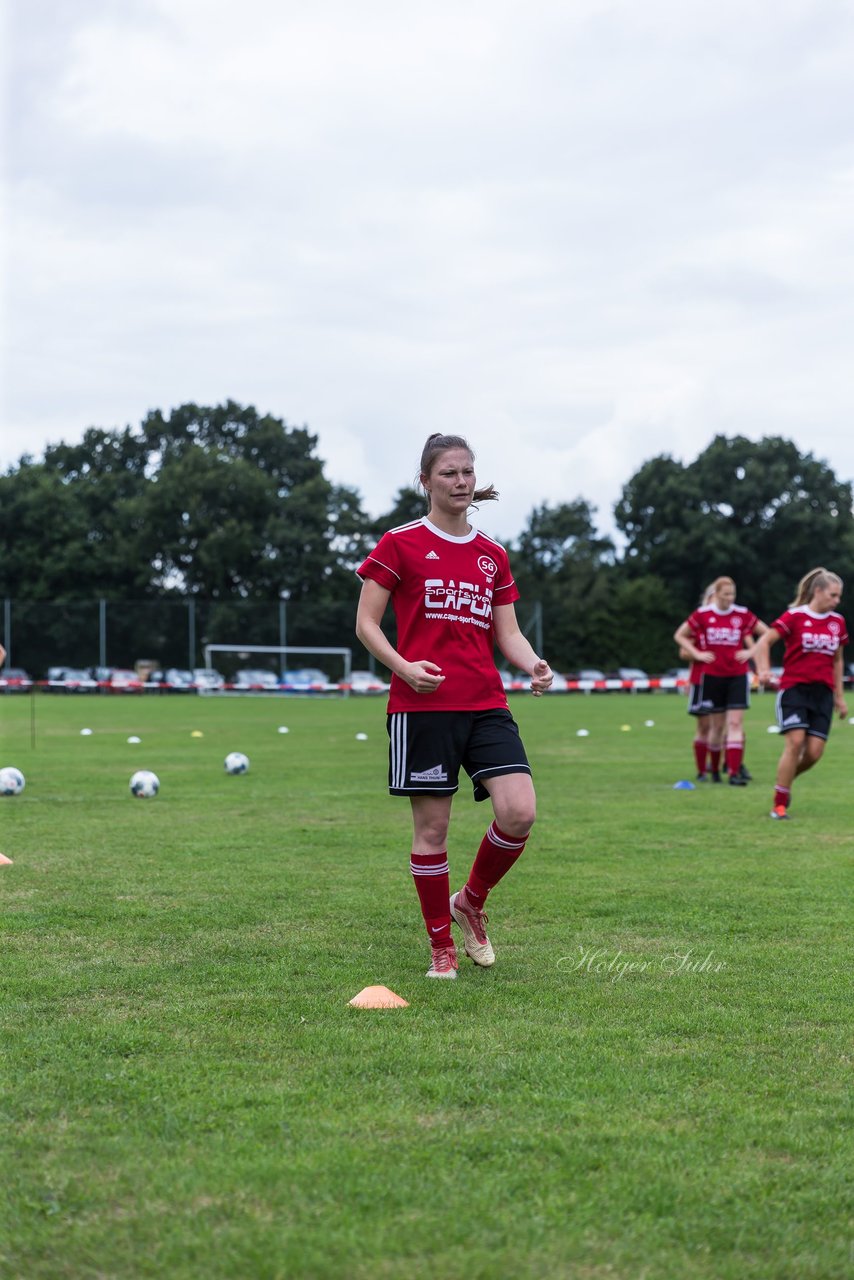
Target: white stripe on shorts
(398, 742)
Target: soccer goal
(260, 668)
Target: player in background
(703, 759)
(811, 685)
(720, 635)
(702, 720)
(453, 597)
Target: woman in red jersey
(811, 685)
(707, 763)
(720, 635)
(453, 596)
(702, 719)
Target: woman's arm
(761, 653)
(749, 650)
(422, 676)
(517, 648)
(838, 683)
(684, 637)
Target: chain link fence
(88, 634)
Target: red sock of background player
(700, 751)
(493, 860)
(430, 873)
(782, 796)
(734, 753)
(715, 758)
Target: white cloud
(581, 234)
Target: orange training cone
(4, 861)
(378, 998)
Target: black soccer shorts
(723, 693)
(427, 749)
(806, 706)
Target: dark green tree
(72, 525)
(409, 505)
(561, 560)
(761, 512)
(217, 504)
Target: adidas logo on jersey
(436, 774)
(431, 555)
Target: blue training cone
(684, 785)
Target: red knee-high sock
(700, 749)
(782, 796)
(734, 753)
(493, 860)
(430, 873)
(715, 757)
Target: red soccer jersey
(443, 590)
(812, 640)
(723, 634)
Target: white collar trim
(448, 537)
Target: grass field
(186, 1092)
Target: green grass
(186, 1092)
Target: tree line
(230, 508)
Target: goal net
(259, 668)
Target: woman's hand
(422, 676)
(541, 677)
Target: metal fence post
(191, 631)
(7, 630)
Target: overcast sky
(580, 233)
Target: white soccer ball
(12, 781)
(144, 784)
(236, 762)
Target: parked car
(167, 681)
(178, 678)
(365, 682)
(77, 681)
(14, 680)
(632, 676)
(73, 678)
(123, 680)
(305, 680)
(257, 681)
(207, 678)
(587, 674)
